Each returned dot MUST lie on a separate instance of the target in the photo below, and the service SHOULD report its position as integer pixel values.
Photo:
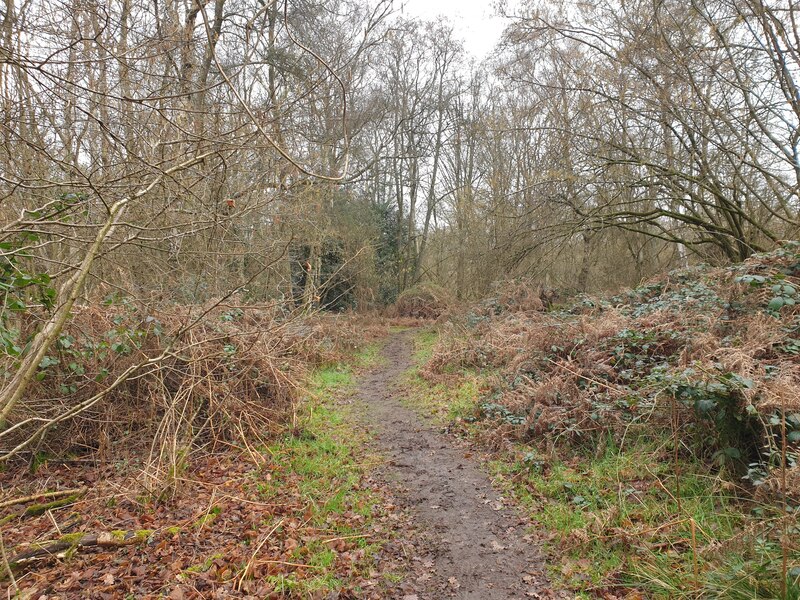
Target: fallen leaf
(177, 594)
(290, 544)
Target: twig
(248, 567)
(204, 518)
(53, 521)
(6, 563)
(55, 494)
(590, 379)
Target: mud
(477, 546)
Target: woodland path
(477, 545)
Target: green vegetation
(204, 203)
(424, 342)
(446, 401)
(205, 565)
(38, 509)
(629, 514)
(324, 462)
(621, 520)
(209, 517)
(366, 358)
(327, 457)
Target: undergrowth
(231, 379)
(439, 401)
(652, 435)
(298, 517)
(620, 521)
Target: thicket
(426, 301)
(125, 378)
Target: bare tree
(149, 149)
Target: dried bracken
(123, 378)
(423, 302)
(719, 346)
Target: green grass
(444, 402)
(324, 461)
(618, 516)
(369, 357)
(208, 517)
(204, 566)
(329, 379)
(329, 470)
(423, 345)
(619, 521)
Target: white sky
(472, 20)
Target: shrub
(122, 377)
(717, 346)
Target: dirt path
(477, 546)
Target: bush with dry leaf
(126, 379)
(424, 301)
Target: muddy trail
(477, 546)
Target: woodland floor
(366, 498)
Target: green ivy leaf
(705, 406)
(47, 361)
(776, 303)
(732, 453)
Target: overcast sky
(472, 20)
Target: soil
(477, 546)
